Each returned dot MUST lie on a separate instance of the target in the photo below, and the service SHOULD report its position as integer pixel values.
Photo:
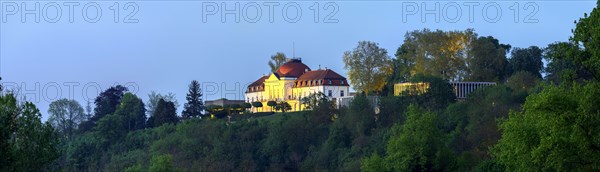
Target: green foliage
(272, 104)
(65, 116)
(368, 66)
(527, 59)
(106, 103)
(165, 113)
(135, 168)
(472, 124)
(587, 33)
(417, 145)
(133, 111)
(557, 130)
(438, 96)
(487, 60)
(374, 163)
(26, 144)
(154, 97)
(162, 163)
(522, 81)
(257, 104)
(247, 105)
(313, 100)
(562, 66)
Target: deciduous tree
(587, 33)
(368, 66)
(487, 60)
(527, 59)
(277, 60)
(557, 130)
(65, 116)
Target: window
(342, 81)
(329, 93)
(342, 93)
(329, 82)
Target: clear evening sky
(170, 43)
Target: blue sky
(170, 44)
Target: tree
(557, 130)
(106, 103)
(272, 104)
(527, 59)
(194, 105)
(133, 110)
(437, 53)
(487, 60)
(402, 67)
(154, 97)
(561, 66)
(417, 145)
(587, 33)
(368, 66)
(26, 144)
(257, 104)
(277, 60)
(165, 113)
(283, 106)
(65, 116)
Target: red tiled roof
(292, 68)
(322, 77)
(258, 84)
(260, 81)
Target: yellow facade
(284, 90)
(410, 88)
(293, 81)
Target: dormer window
(329, 82)
(341, 81)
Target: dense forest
(539, 117)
